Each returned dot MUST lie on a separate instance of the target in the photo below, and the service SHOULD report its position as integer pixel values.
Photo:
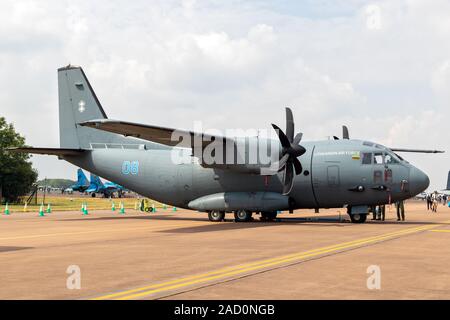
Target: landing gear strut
(216, 216)
(242, 216)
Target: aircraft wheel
(358, 217)
(268, 216)
(93, 195)
(216, 216)
(242, 215)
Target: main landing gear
(216, 215)
(241, 215)
(268, 216)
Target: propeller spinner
(290, 152)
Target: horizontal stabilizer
(416, 150)
(50, 151)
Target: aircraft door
(333, 176)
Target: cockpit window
(378, 158)
(390, 159)
(366, 158)
(400, 158)
(367, 143)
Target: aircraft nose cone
(418, 181)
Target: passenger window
(367, 158)
(378, 158)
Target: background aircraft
(82, 182)
(446, 190)
(107, 189)
(317, 174)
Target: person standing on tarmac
(429, 202)
(400, 210)
(374, 212)
(383, 212)
(434, 202)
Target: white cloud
(373, 18)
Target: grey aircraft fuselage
(332, 173)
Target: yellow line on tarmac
(159, 227)
(258, 265)
(438, 230)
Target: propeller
(345, 134)
(291, 150)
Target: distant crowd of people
(434, 199)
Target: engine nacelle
(230, 201)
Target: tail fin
(81, 178)
(95, 185)
(95, 180)
(78, 103)
(448, 181)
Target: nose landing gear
(358, 214)
(358, 218)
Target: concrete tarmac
(181, 255)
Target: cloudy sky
(381, 67)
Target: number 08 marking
(130, 167)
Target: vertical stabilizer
(448, 181)
(81, 178)
(79, 103)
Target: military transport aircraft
(344, 172)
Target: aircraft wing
(167, 136)
(415, 150)
(49, 151)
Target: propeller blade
(282, 162)
(345, 133)
(289, 125)
(298, 138)
(296, 150)
(283, 139)
(288, 178)
(297, 166)
(416, 150)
